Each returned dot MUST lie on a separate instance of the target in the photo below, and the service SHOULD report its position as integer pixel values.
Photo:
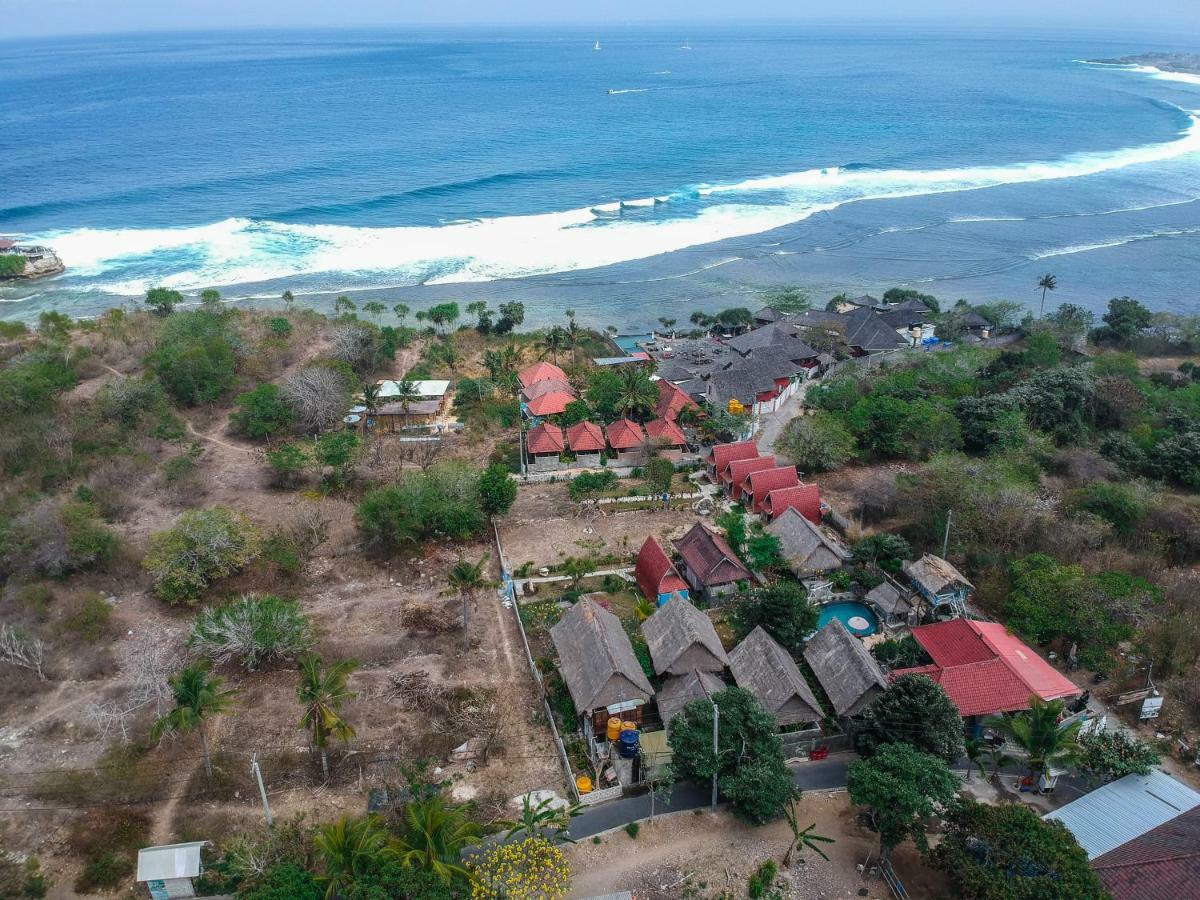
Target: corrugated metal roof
(169, 861)
(1125, 809)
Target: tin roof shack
(845, 668)
(1162, 864)
(709, 565)
(597, 663)
(944, 588)
(768, 672)
(807, 548)
(679, 690)
(656, 574)
(681, 638)
(168, 870)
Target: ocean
(675, 168)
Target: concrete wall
(545, 462)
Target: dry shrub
(1175, 526)
(1115, 558)
(1071, 539)
(425, 618)
(1080, 467)
(108, 841)
(877, 497)
(113, 482)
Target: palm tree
(349, 848)
(637, 394)
(1037, 732)
(370, 395)
(344, 306)
(401, 310)
(375, 310)
(667, 324)
(1046, 283)
(997, 759)
(433, 836)
(552, 342)
(543, 817)
(406, 393)
(198, 697)
(804, 838)
(322, 695)
(288, 297)
(975, 748)
(465, 579)
(493, 361)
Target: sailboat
(597, 46)
(687, 45)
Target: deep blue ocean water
(962, 160)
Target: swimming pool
(629, 342)
(848, 612)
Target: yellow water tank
(584, 783)
(628, 726)
(614, 728)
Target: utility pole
(946, 539)
(261, 789)
(716, 756)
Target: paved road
(772, 424)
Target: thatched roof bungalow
(807, 548)
(768, 672)
(679, 690)
(682, 638)
(845, 668)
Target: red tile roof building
(585, 437)
(708, 559)
(656, 574)
(805, 499)
(984, 669)
(545, 438)
(723, 454)
(540, 371)
(624, 434)
(550, 404)
(672, 400)
(735, 473)
(547, 386)
(758, 484)
(1162, 864)
(665, 431)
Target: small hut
(666, 438)
(543, 444)
(736, 472)
(845, 668)
(758, 485)
(680, 690)
(709, 565)
(656, 574)
(944, 588)
(628, 439)
(722, 455)
(807, 548)
(552, 403)
(682, 638)
(168, 870)
(768, 672)
(891, 604)
(586, 441)
(804, 498)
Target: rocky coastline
(40, 262)
(1184, 63)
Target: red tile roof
(735, 473)
(759, 484)
(656, 573)
(984, 669)
(585, 437)
(672, 400)
(723, 454)
(545, 438)
(805, 499)
(547, 386)
(550, 404)
(625, 435)
(1162, 864)
(709, 558)
(540, 371)
(665, 431)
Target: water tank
(628, 744)
(614, 728)
(584, 783)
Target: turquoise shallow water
(643, 174)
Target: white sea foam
(242, 251)
(1117, 242)
(1153, 71)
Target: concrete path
(772, 424)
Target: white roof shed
(426, 390)
(170, 868)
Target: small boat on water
(687, 45)
(596, 46)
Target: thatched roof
(678, 690)
(596, 659)
(805, 546)
(768, 671)
(847, 671)
(675, 629)
(888, 598)
(934, 575)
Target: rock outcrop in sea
(40, 262)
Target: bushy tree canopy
(202, 546)
(442, 501)
(901, 787)
(913, 710)
(782, 609)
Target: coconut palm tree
(1047, 283)
(975, 748)
(344, 306)
(406, 393)
(553, 342)
(375, 310)
(637, 394)
(997, 759)
(543, 816)
(198, 697)
(465, 579)
(349, 848)
(668, 325)
(370, 395)
(401, 310)
(1037, 732)
(433, 836)
(321, 694)
(493, 361)
(803, 838)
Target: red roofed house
(586, 441)
(723, 454)
(672, 400)
(1162, 864)
(805, 499)
(984, 669)
(543, 444)
(628, 440)
(550, 404)
(540, 371)
(656, 574)
(710, 567)
(735, 473)
(546, 386)
(666, 438)
(758, 484)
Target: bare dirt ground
(699, 855)
(544, 527)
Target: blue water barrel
(628, 744)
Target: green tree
(1042, 350)
(658, 473)
(802, 838)
(375, 310)
(1037, 732)
(163, 300)
(735, 318)
(210, 297)
(1108, 755)
(466, 579)
(283, 881)
(782, 609)
(442, 501)
(443, 316)
(603, 392)
(1008, 852)
(344, 307)
(764, 551)
(637, 394)
(901, 788)
(887, 551)
(433, 835)
(401, 310)
(253, 630)
(668, 325)
(497, 490)
(11, 265)
(54, 326)
(195, 355)
(202, 546)
(287, 462)
(789, 299)
(1125, 320)
(339, 451)
(913, 710)
(350, 849)
(1046, 283)
(543, 816)
(817, 443)
(512, 314)
(1117, 504)
(288, 299)
(262, 412)
(552, 342)
(321, 694)
(198, 697)
(878, 422)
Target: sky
(23, 18)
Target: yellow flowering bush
(532, 869)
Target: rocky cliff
(38, 264)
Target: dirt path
(191, 429)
